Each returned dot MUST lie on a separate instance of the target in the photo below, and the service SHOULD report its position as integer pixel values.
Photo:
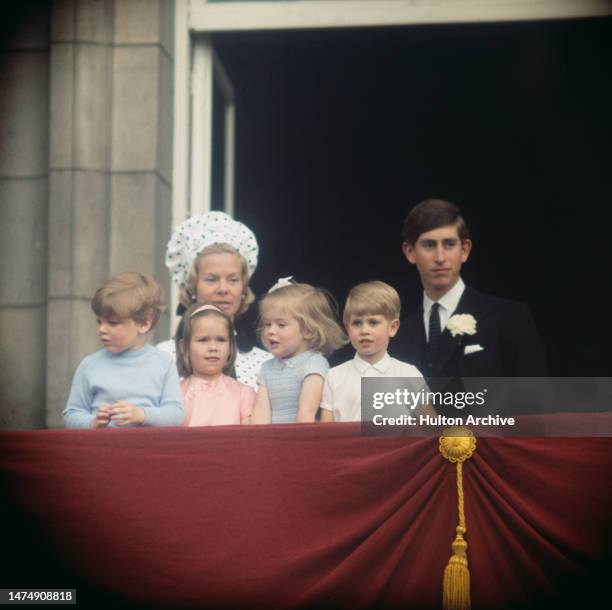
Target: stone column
(141, 191)
(111, 156)
(24, 147)
(79, 187)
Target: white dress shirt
(342, 388)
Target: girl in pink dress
(205, 358)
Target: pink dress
(216, 403)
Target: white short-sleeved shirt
(342, 389)
(247, 363)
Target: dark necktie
(434, 337)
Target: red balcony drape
(309, 515)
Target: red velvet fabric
(309, 515)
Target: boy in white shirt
(371, 318)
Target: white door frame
(226, 88)
(194, 69)
(238, 16)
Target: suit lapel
(449, 345)
(446, 348)
(414, 331)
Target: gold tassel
(457, 445)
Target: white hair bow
(282, 281)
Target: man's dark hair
(433, 214)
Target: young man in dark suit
(458, 332)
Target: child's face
(283, 335)
(209, 348)
(370, 335)
(119, 336)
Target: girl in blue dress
(298, 326)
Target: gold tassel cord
(457, 445)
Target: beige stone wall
(85, 189)
(111, 158)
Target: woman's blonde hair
(316, 311)
(184, 333)
(187, 295)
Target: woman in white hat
(211, 258)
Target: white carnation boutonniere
(461, 324)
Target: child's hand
(102, 417)
(124, 413)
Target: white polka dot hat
(197, 232)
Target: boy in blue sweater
(128, 382)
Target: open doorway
(339, 133)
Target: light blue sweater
(145, 377)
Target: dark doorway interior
(340, 132)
